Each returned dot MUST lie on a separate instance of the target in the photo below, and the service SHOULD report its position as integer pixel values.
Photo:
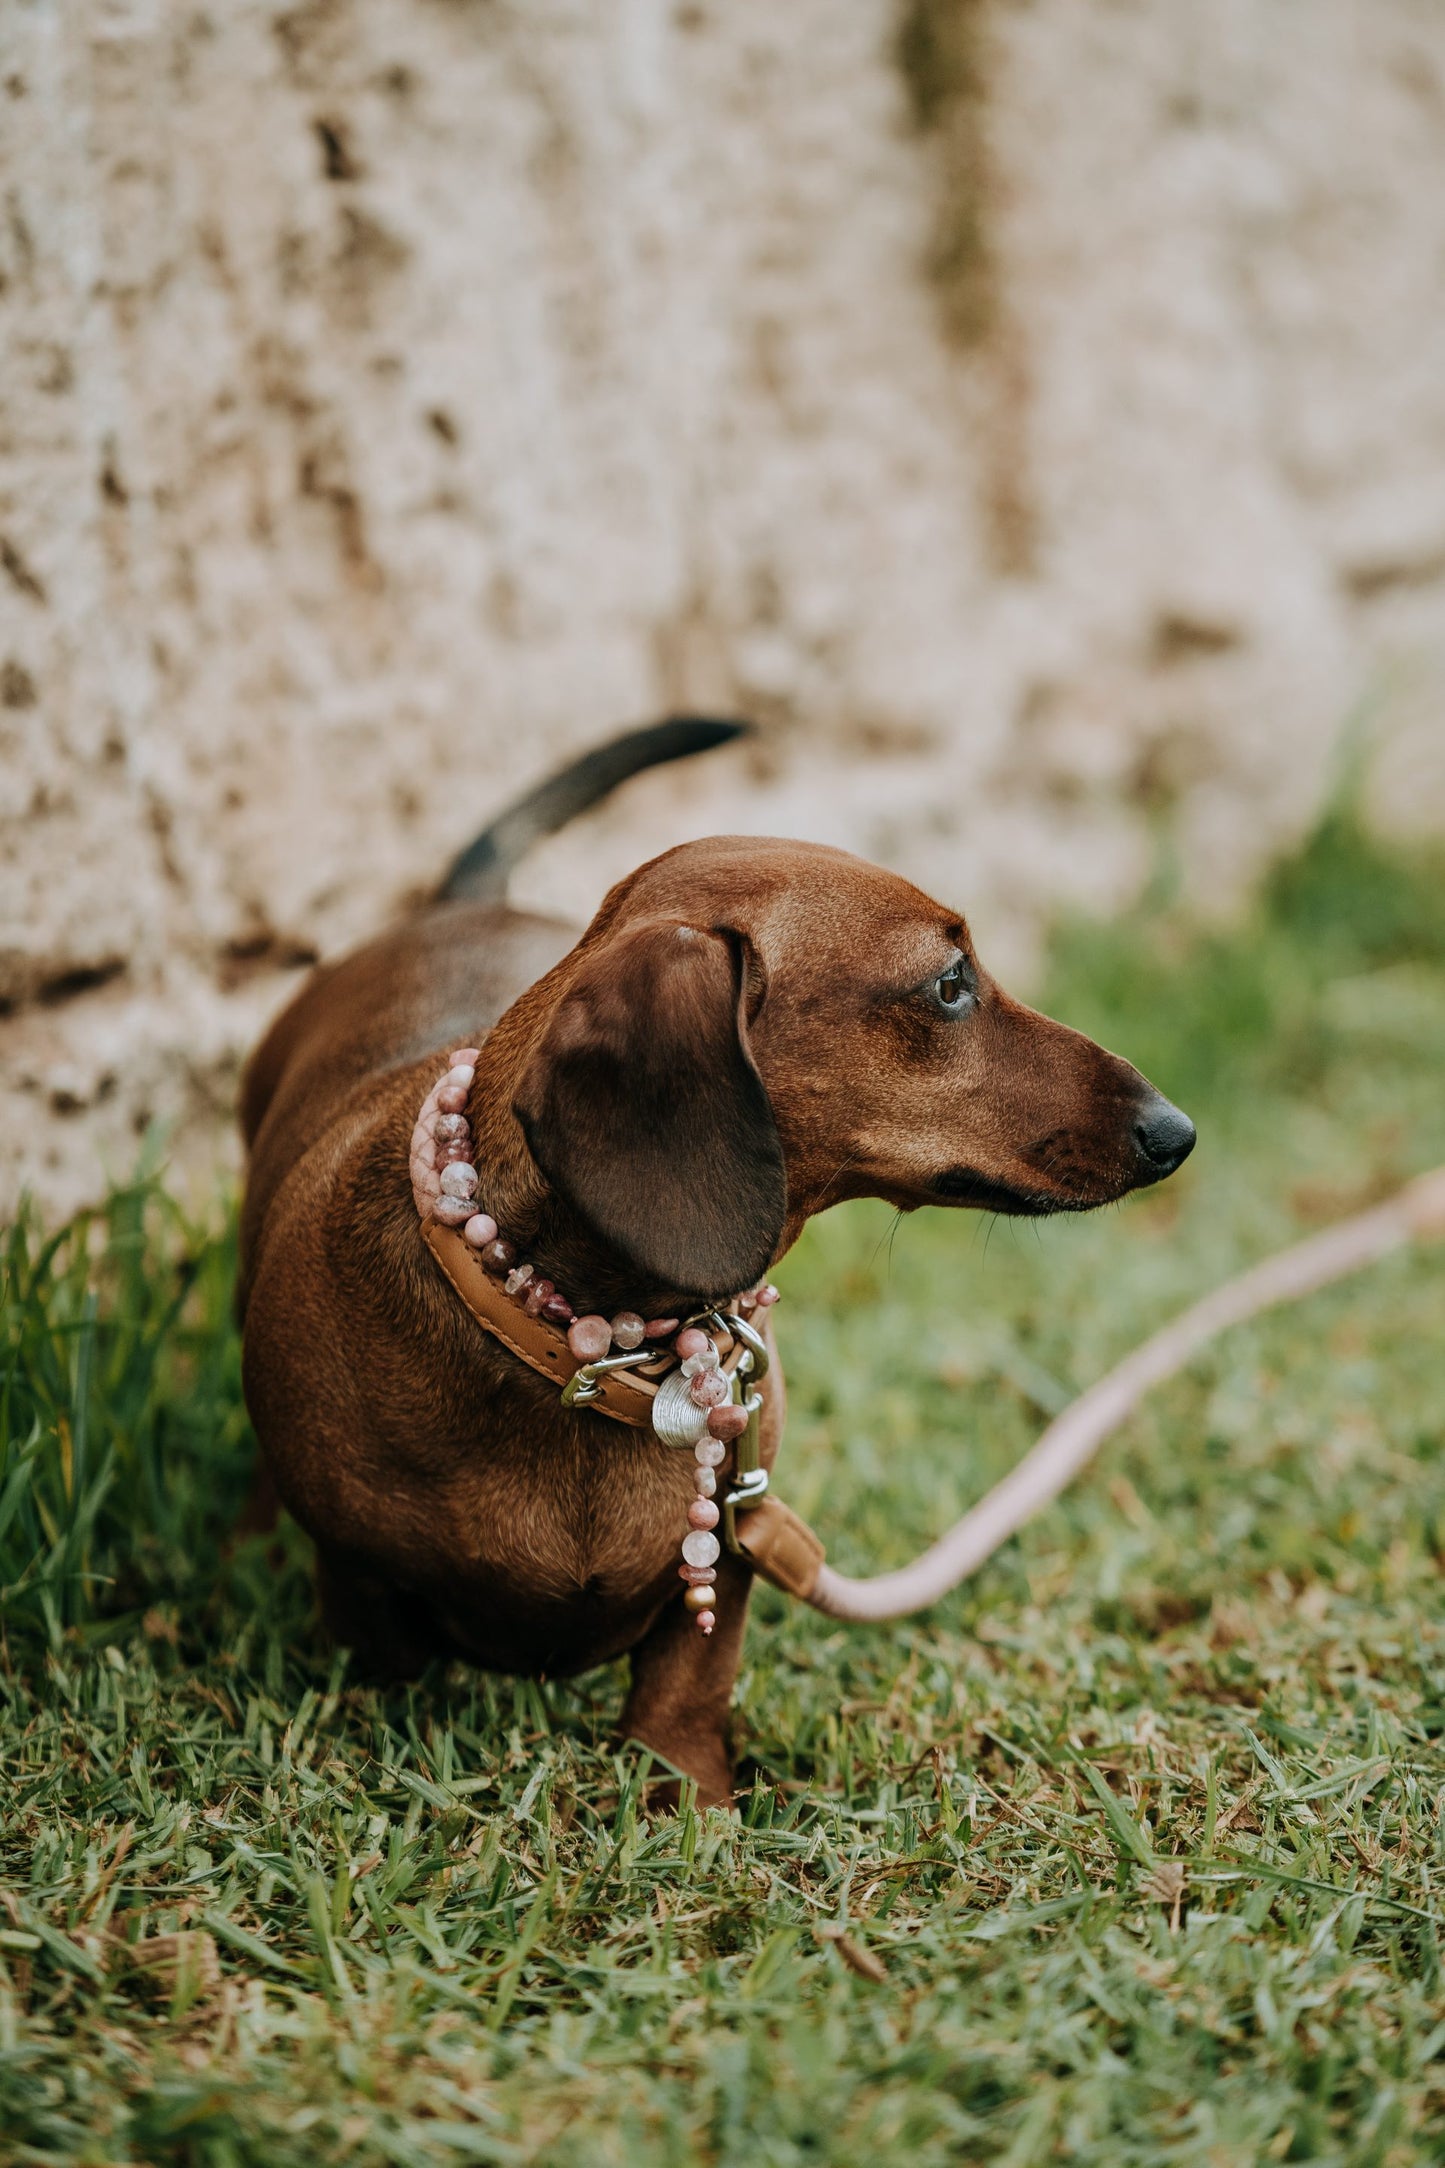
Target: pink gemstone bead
(453, 1211)
(558, 1310)
(691, 1342)
(727, 1421)
(709, 1452)
(539, 1294)
(767, 1296)
(454, 1155)
(451, 1128)
(704, 1482)
(628, 1330)
(589, 1338)
(451, 1098)
(660, 1328)
(480, 1229)
(499, 1256)
(702, 1513)
(461, 1074)
(700, 1548)
(459, 1180)
(519, 1277)
(696, 1364)
(463, 1055)
(706, 1621)
(696, 1576)
(709, 1389)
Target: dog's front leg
(682, 1685)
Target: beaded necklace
(696, 1405)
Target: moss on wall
(941, 54)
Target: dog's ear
(642, 1107)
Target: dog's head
(751, 1030)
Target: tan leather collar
(626, 1394)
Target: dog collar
(691, 1382)
(627, 1385)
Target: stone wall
(1033, 411)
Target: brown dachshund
(748, 1031)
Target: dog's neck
(542, 1226)
(561, 1284)
(562, 1293)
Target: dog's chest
(559, 1514)
(537, 1536)
(542, 1562)
(566, 1525)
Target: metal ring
(749, 1335)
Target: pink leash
(1415, 1214)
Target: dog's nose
(1164, 1135)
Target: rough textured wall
(1035, 413)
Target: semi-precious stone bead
(628, 1330)
(480, 1229)
(461, 1073)
(706, 1621)
(451, 1098)
(520, 1277)
(709, 1389)
(709, 1452)
(449, 1128)
(539, 1294)
(660, 1328)
(706, 1358)
(589, 1338)
(463, 1055)
(767, 1296)
(453, 1211)
(701, 1548)
(695, 1576)
(692, 1342)
(558, 1310)
(701, 1598)
(498, 1256)
(459, 1179)
(704, 1482)
(727, 1420)
(457, 1153)
(702, 1513)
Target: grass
(1130, 1852)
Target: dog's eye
(952, 991)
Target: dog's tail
(480, 873)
